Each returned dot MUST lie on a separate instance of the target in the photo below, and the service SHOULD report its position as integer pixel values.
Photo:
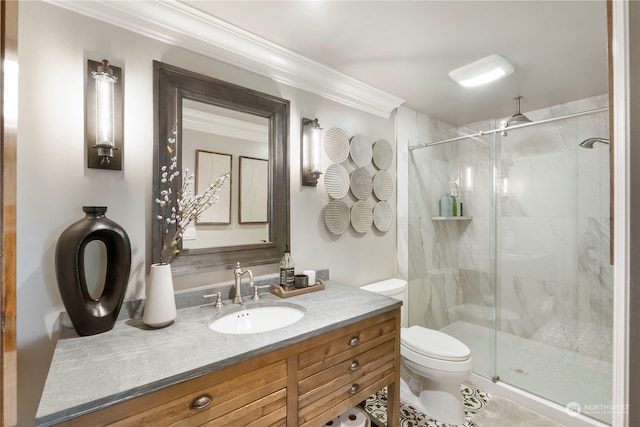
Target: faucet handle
(256, 295)
(218, 302)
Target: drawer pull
(354, 341)
(354, 389)
(354, 365)
(201, 402)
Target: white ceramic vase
(160, 305)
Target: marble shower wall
(551, 232)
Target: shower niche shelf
(451, 218)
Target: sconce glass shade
(310, 151)
(104, 81)
(104, 115)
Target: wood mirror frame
(171, 85)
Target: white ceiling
(558, 48)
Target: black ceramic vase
(92, 316)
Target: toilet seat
(424, 364)
(434, 344)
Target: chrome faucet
(237, 274)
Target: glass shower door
(554, 302)
(452, 284)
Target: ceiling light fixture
(482, 71)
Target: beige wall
(53, 183)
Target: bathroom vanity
(344, 349)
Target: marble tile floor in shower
(547, 371)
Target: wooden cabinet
(304, 384)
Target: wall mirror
(220, 126)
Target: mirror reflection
(216, 140)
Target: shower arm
(518, 98)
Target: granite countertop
(89, 373)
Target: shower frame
(496, 143)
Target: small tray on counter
(282, 293)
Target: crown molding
(225, 126)
(181, 25)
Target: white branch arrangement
(178, 205)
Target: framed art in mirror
(254, 190)
(209, 166)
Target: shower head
(588, 143)
(517, 119)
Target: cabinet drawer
(352, 388)
(267, 411)
(353, 367)
(349, 345)
(225, 398)
(225, 391)
(340, 378)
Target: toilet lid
(432, 343)
(389, 287)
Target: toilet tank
(394, 288)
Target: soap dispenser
(454, 202)
(446, 206)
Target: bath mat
(501, 412)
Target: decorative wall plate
(361, 216)
(336, 181)
(361, 150)
(336, 145)
(382, 185)
(337, 217)
(361, 184)
(382, 216)
(382, 154)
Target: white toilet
(433, 364)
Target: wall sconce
(104, 115)
(310, 152)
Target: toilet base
(440, 401)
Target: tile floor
(376, 406)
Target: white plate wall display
(336, 145)
(361, 184)
(382, 154)
(337, 217)
(361, 150)
(361, 216)
(336, 181)
(382, 185)
(382, 216)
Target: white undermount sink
(257, 319)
